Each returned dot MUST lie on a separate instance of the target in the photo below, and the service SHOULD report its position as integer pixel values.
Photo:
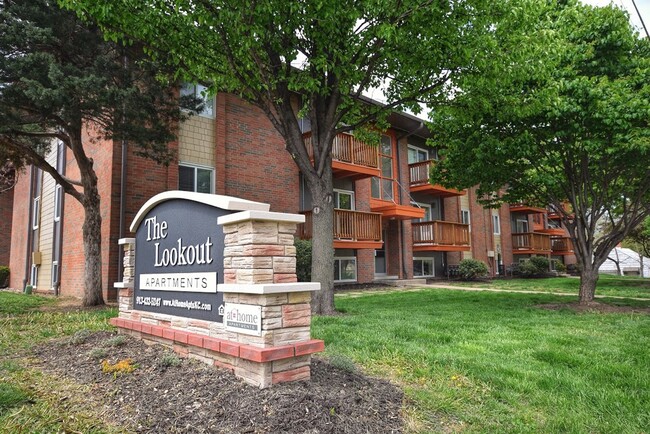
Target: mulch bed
(195, 398)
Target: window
(464, 216)
(36, 212)
(382, 187)
(33, 276)
(345, 269)
(423, 267)
(416, 155)
(195, 178)
(496, 224)
(55, 273)
(521, 225)
(344, 199)
(427, 212)
(199, 91)
(58, 191)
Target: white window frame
(33, 276)
(417, 149)
(200, 91)
(347, 193)
(496, 223)
(525, 221)
(36, 210)
(55, 273)
(465, 217)
(423, 206)
(356, 269)
(427, 259)
(195, 167)
(58, 196)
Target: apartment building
(390, 222)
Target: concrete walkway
(353, 294)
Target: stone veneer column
(260, 270)
(125, 287)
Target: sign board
(179, 260)
(243, 318)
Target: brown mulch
(595, 306)
(195, 398)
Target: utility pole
(641, 19)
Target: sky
(643, 5)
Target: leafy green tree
(61, 82)
(295, 59)
(639, 239)
(569, 123)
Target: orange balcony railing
(561, 244)
(531, 242)
(419, 180)
(348, 149)
(441, 233)
(348, 226)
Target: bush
(303, 260)
(559, 266)
(4, 276)
(470, 269)
(537, 266)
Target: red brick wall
(482, 237)
(106, 157)
(6, 206)
(252, 162)
(20, 224)
(506, 235)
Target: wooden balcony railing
(441, 233)
(348, 149)
(561, 244)
(531, 241)
(348, 226)
(419, 172)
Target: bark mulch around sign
(195, 398)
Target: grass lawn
(493, 362)
(610, 285)
(55, 405)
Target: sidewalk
(353, 294)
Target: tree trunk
(92, 237)
(322, 259)
(588, 280)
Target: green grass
(31, 401)
(493, 362)
(609, 285)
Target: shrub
(537, 266)
(558, 266)
(98, 353)
(4, 276)
(470, 269)
(79, 337)
(303, 260)
(169, 359)
(116, 341)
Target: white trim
(243, 216)
(216, 200)
(496, 223)
(126, 241)
(426, 258)
(268, 288)
(418, 149)
(195, 167)
(349, 193)
(356, 270)
(122, 285)
(422, 205)
(36, 213)
(58, 200)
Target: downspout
(28, 249)
(120, 254)
(64, 161)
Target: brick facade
(6, 211)
(250, 161)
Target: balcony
(440, 236)
(531, 243)
(352, 229)
(526, 209)
(562, 246)
(351, 158)
(419, 180)
(553, 215)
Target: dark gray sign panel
(179, 260)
